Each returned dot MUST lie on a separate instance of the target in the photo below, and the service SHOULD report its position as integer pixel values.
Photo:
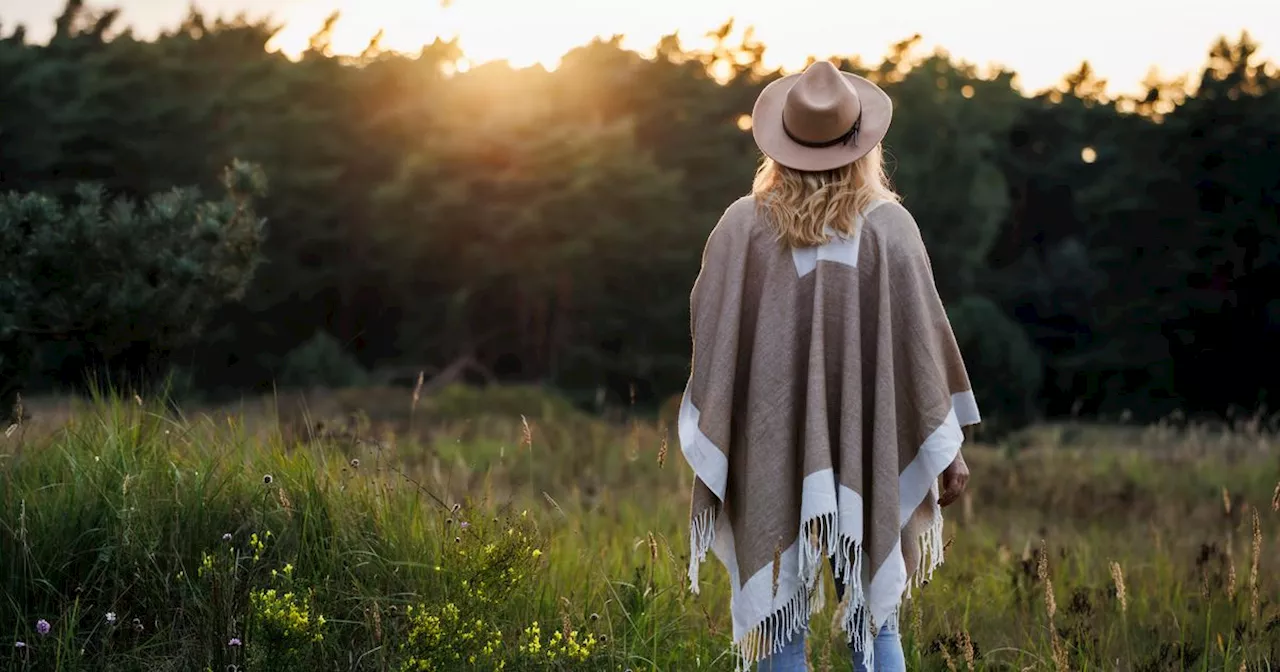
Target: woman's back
(825, 399)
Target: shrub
(321, 361)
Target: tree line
(1097, 255)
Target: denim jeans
(889, 656)
(887, 646)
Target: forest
(388, 214)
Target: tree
(125, 282)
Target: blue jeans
(889, 656)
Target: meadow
(501, 528)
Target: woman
(827, 393)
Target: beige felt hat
(820, 119)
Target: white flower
(111, 617)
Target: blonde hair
(802, 204)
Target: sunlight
(526, 33)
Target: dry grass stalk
(966, 647)
(1253, 570)
(946, 657)
(1117, 576)
(417, 392)
(1231, 571)
(1051, 608)
(1275, 499)
(565, 623)
(526, 433)
(1226, 501)
(653, 549)
(1042, 571)
(284, 501)
(662, 450)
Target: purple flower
(235, 641)
(464, 524)
(19, 645)
(42, 626)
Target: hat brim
(773, 141)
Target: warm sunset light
(1041, 48)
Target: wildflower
(355, 463)
(595, 617)
(266, 479)
(226, 537)
(235, 641)
(19, 645)
(137, 625)
(457, 540)
(42, 626)
(464, 524)
(537, 553)
(111, 617)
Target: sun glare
(514, 31)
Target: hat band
(848, 137)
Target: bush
(321, 361)
(1003, 365)
(127, 282)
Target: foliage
(548, 224)
(997, 351)
(284, 559)
(321, 362)
(123, 281)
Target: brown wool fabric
(826, 396)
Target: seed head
(1253, 570)
(526, 433)
(1117, 575)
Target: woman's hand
(954, 480)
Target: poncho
(826, 396)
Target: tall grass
(505, 526)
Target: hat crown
(821, 106)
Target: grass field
(502, 529)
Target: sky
(1040, 40)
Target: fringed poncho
(826, 397)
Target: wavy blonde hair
(802, 204)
